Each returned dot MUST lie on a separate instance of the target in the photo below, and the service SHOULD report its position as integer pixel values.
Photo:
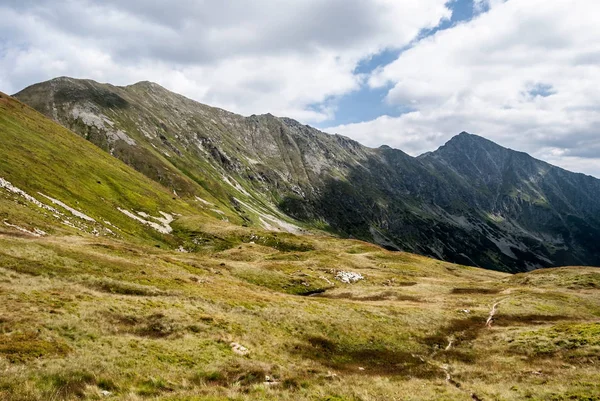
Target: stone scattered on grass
(270, 381)
(160, 224)
(36, 231)
(199, 280)
(331, 375)
(349, 277)
(11, 188)
(73, 211)
(239, 349)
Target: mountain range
(471, 201)
(155, 248)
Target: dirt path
(490, 319)
(447, 369)
(450, 343)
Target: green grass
(573, 339)
(39, 155)
(147, 323)
(127, 314)
(23, 347)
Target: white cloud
(525, 74)
(249, 57)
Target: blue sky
(368, 103)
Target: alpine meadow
(154, 247)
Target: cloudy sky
(406, 73)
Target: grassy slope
(81, 314)
(38, 155)
(173, 159)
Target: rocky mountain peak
(469, 142)
(148, 85)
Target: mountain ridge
(292, 121)
(466, 202)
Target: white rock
(239, 349)
(349, 277)
(36, 231)
(207, 203)
(11, 188)
(164, 226)
(74, 212)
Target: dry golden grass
(93, 318)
